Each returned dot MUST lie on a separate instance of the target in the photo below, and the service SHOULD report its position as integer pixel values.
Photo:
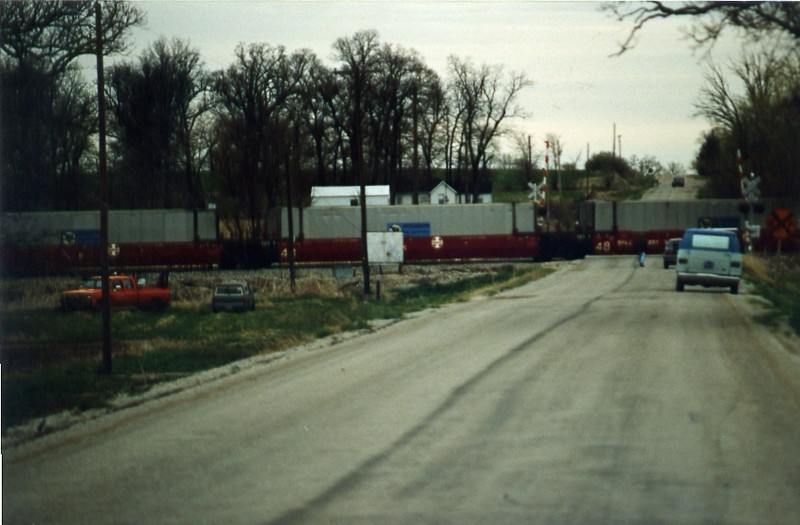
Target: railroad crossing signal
(535, 192)
(538, 190)
(781, 224)
(750, 190)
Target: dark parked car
(678, 182)
(671, 252)
(233, 296)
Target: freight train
(50, 243)
(515, 231)
(69, 242)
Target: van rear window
(711, 242)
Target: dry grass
(193, 289)
(30, 294)
(759, 266)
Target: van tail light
(683, 260)
(735, 264)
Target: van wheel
(735, 289)
(679, 285)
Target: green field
(50, 370)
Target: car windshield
(229, 290)
(92, 283)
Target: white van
(709, 257)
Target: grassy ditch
(777, 279)
(50, 359)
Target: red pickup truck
(126, 291)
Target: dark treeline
(181, 136)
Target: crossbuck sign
(750, 190)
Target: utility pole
(529, 164)
(614, 142)
(586, 170)
(290, 215)
(619, 138)
(101, 115)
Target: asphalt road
(666, 192)
(597, 395)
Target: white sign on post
(385, 247)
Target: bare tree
(557, 151)
(675, 168)
(483, 99)
(74, 125)
(317, 88)
(756, 117)
(359, 57)
(390, 97)
(759, 20)
(51, 35)
(43, 100)
(156, 104)
(432, 107)
(529, 157)
(650, 166)
(250, 95)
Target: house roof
(483, 187)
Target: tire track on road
(301, 514)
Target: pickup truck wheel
(155, 305)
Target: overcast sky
(580, 90)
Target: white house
(349, 195)
(444, 193)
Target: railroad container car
(39, 243)
(59, 242)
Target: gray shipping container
(124, 226)
(661, 215)
(331, 222)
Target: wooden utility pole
(290, 215)
(358, 165)
(101, 115)
(614, 142)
